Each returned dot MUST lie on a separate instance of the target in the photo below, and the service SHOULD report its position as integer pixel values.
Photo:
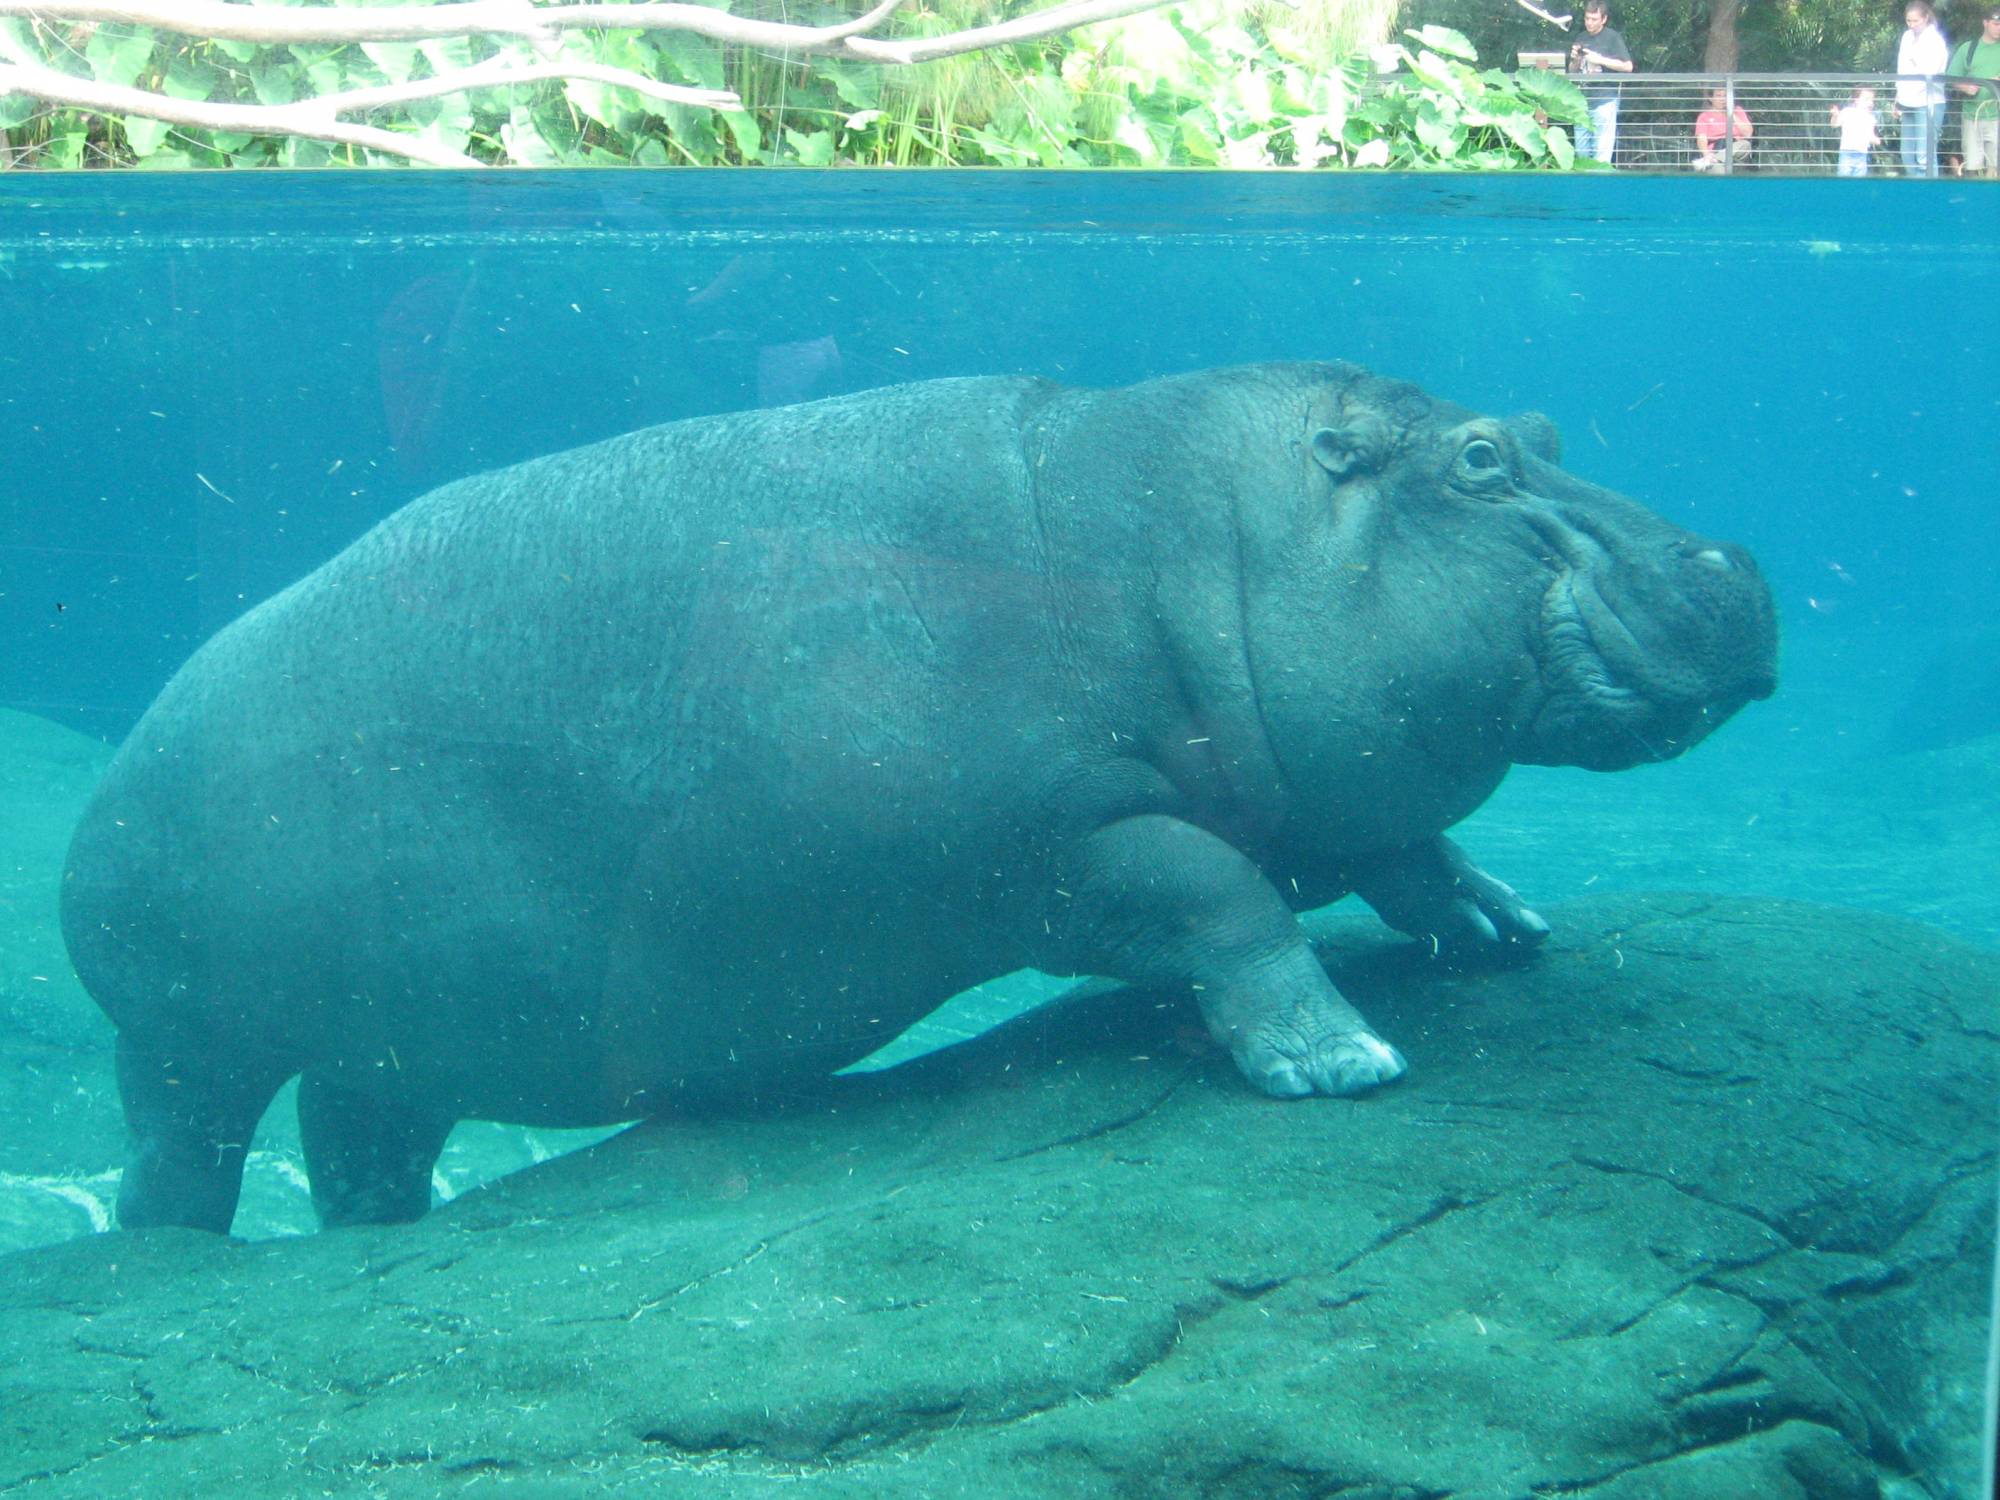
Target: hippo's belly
(506, 914)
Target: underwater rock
(1700, 1204)
(692, 764)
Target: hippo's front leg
(1432, 892)
(1156, 901)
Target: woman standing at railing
(1920, 101)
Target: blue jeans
(1854, 164)
(1597, 137)
(1922, 124)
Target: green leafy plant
(1441, 110)
(1202, 83)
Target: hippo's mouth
(1610, 702)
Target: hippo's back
(443, 785)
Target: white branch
(222, 21)
(257, 119)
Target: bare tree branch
(258, 119)
(222, 21)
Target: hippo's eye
(1483, 465)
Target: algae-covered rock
(1700, 1203)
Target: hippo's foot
(1153, 900)
(1292, 1033)
(369, 1153)
(1288, 1061)
(1435, 894)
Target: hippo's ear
(1353, 447)
(1538, 435)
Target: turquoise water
(1806, 367)
(210, 385)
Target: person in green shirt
(1979, 57)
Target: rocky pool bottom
(1698, 1203)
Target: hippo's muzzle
(1648, 642)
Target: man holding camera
(1599, 50)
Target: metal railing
(1793, 127)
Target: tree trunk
(1719, 56)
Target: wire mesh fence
(1821, 124)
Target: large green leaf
(298, 151)
(451, 130)
(1200, 138)
(814, 148)
(118, 54)
(447, 54)
(1552, 93)
(395, 59)
(1251, 93)
(686, 58)
(1005, 152)
(1134, 137)
(191, 78)
(525, 144)
(1433, 72)
(1443, 39)
(65, 147)
(143, 135)
(1530, 139)
(678, 121)
(18, 109)
(594, 100)
(1382, 112)
(274, 79)
(1438, 128)
(1049, 105)
(856, 87)
(745, 132)
(325, 75)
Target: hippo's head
(1428, 597)
(1580, 627)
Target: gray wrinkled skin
(690, 763)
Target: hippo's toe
(1289, 1067)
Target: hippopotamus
(685, 766)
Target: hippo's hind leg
(188, 1121)
(369, 1152)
